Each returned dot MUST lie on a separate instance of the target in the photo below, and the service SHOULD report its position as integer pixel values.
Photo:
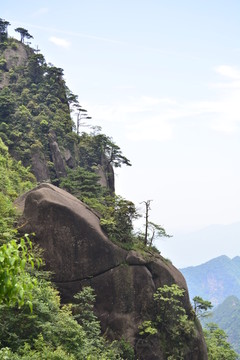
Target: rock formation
(79, 254)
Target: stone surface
(76, 248)
(79, 254)
(106, 174)
(59, 165)
(14, 57)
(39, 165)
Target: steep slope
(214, 280)
(35, 121)
(36, 125)
(79, 253)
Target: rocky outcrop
(39, 165)
(38, 101)
(79, 253)
(59, 165)
(106, 174)
(15, 56)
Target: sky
(162, 78)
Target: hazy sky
(162, 77)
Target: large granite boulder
(79, 253)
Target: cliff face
(79, 254)
(35, 121)
(36, 125)
(14, 56)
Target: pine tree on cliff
(24, 34)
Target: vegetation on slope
(227, 316)
(35, 107)
(34, 325)
(217, 344)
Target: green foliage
(147, 328)
(99, 149)
(16, 284)
(35, 107)
(171, 325)
(14, 180)
(7, 103)
(36, 68)
(3, 29)
(217, 344)
(201, 307)
(83, 312)
(118, 218)
(82, 183)
(34, 110)
(152, 230)
(33, 323)
(23, 33)
(3, 64)
(117, 214)
(41, 351)
(155, 231)
(14, 45)
(171, 313)
(51, 332)
(227, 316)
(126, 350)
(33, 104)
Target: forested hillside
(39, 327)
(38, 129)
(39, 142)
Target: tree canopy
(217, 344)
(23, 33)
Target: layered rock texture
(79, 254)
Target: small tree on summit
(24, 34)
(201, 307)
(152, 230)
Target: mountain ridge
(227, 316)
(214, 280)
(36, 125)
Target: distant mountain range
(214, 280)
(218, 281)
(227, 316)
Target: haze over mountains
(215, 280)
(198, 247)
(218, 280)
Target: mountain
(85, 229)
(36, 123)
(214, 280)
(227, 316)
(79, 253)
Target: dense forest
(40, 142)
